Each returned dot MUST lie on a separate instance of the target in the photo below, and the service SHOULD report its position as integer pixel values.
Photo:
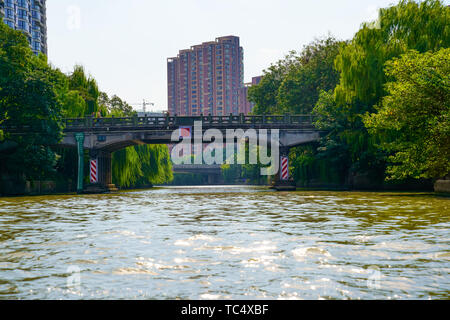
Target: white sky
(124, 44)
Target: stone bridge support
(283, 182)
(104, 172)
(103, 169)
(214, 179)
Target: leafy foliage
(408, 25)
(304, 80)
(265, 94)
(414, 118)
(137, 166)
(86, 87)
(142, 166)
(28, 92)
(34, 93)
(293, 84)
(343, 81)
(114, 106)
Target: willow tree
(136, 166)
(408, 25)
(85, 87)
(141, 166)
(156, 165)
(78, 94)
(126, 167)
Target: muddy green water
(225, 243)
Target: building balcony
(8, 3)
(36, 14)
(24, 5)
(9, 22)
(37, 22)
(26, 31)
(38, 3)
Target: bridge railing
(170, 121)
(29, 125)
(303, 121)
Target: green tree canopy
(414, 118)
(28, 96)
(408, 25)
(301, 86)
(32, 93)
(293, 84)
(114, 106)
(86, 87)
(265, 94)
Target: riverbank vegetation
(382, 98)
(32, 90)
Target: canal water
(225, 243)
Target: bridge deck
(168, 122)
(136, 123)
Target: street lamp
(144, 105)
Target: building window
(10, 23)
(23, 14)
(23, 25)
(36, 46)
(9, 14)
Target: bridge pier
(214, 179)
(104, 173)
(283, 180)
(79, 138)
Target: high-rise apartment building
(28, 16)
(207, 78)
(245, 106)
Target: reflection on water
(225, 243)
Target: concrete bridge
(103, 136)
(214, 172)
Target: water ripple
(225, 243)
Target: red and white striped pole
(284, 168)
(94, 171)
